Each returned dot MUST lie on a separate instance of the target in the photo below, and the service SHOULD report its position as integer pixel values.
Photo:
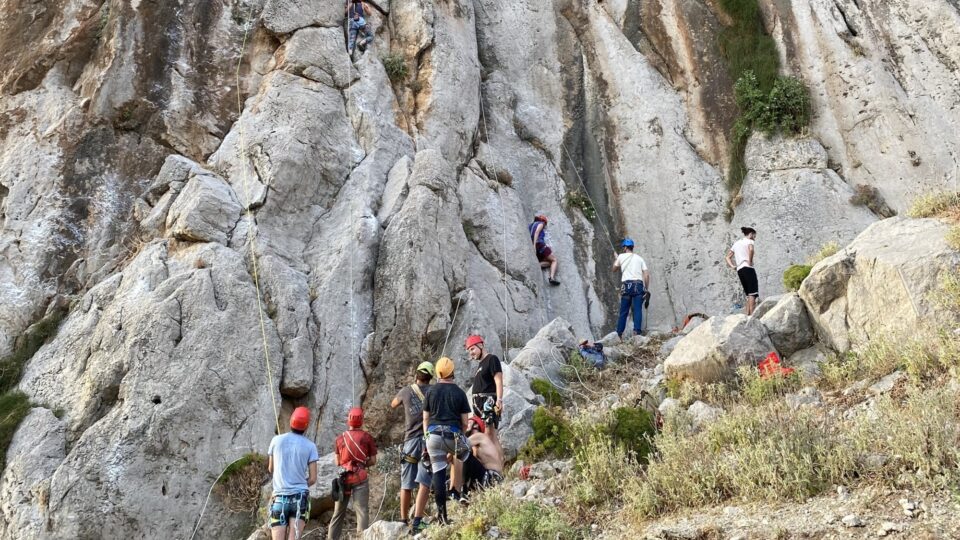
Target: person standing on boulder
(445, 414)
(292, 460)
(354, 452)
(412, 472)
(487, 390)
(634, 280)
(545, 256)
(742, 251)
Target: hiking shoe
(463, 500)
(554, 282)
(418, 528)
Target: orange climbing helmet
(300, 419)
(472, 341)
(355, 417)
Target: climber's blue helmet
(627, 243)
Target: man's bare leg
(278, 533)
(295, 530)
(404, 504)
(751, 304)
(553, 266)
(420, 506)
(495, 437)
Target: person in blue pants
(634, 279)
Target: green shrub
(11, 367)
(784, 109)
(552, 436)
(634, 429)
(746, 47)
(14, 407)
(601, 466)
(576, 367)
(395, 66)
(943, 204)
(549, 392)
(794, 275)
(577, 199)
(535, 521)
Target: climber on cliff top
(634, 279)
(292, 460)
(742, 250)
(356, 17)
(413, 472)
(538, 235)
(355, 451)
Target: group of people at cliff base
(451, 446)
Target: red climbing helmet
(300, 419)
(540, 217)
(473, 340)
(479, 423)
(355, 417)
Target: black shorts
(748, 278)
(483, 406)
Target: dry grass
(771, 453)
(941, 205)
(241, 483)
(827, 250)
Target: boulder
(788, 325)
(669, 345)
(703, 414)
(806, 397)
(881, 285)
(206, 210)
(807, 362)
(547, 352)
(669, 406)
(886, 384)
(714, 350)
(385, 530)
(766, 305)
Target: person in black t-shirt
(445, 414)
(487, 388)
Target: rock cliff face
(243, 218)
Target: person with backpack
(354, 452)
(292, 460)
(545, 256)
(742, 250)
(357, 24)
(412, 471)
(593, 353)
(634, 279)
(445, 414)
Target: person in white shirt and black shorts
(740, 258)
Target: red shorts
(543, 251)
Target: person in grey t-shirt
(412, 471)
(292, 459)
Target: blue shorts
(412, 474)
(286, 508)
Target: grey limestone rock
(717, 347)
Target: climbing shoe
(554, 282)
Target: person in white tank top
(740, 259)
